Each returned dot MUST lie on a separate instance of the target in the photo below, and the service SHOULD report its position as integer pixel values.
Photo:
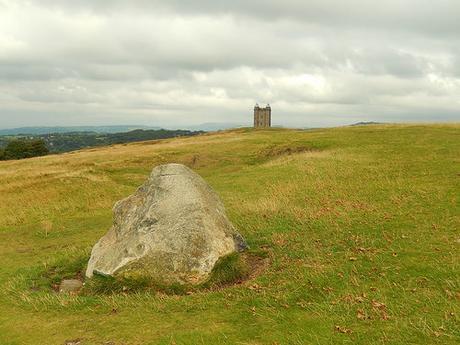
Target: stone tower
(262, 116)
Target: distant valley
(58, 142)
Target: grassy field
(362, 225)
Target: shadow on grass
(232, 269)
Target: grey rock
(173, 229)
(70, 285)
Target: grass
(361, 225)
(232, 269)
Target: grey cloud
(426, 16)
(181, 62)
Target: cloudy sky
(179, 63)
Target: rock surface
(173, 229)
(70, 285)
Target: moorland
(360, 225)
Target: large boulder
(172, 229)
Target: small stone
(70, 285)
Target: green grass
(232, 269)
(360, 225)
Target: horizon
(226, 125)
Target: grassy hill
(361, 225)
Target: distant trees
(142, 134)
(29, 145)
(19, 149)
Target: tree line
(20, 149)
(26, 146)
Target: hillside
(361, 225)
(65, 142)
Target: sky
(181, 63)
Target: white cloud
(178, 63)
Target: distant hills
(70, 141)
(207, 127)
(366, 123)
(69, 138)
(72, 129)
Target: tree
(19, 149)
(38, 148)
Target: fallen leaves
(360, 251)
(255, 287)
(452, 295)
(328, 289)
(380, 308)
(361, 314)
(439, 332)
(369, 309)
(384, 315)
(361, 298)
(448, 315)
(378, 305)
(343, 330)
(73, 342)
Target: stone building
(262, 116)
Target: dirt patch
(255, 264)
